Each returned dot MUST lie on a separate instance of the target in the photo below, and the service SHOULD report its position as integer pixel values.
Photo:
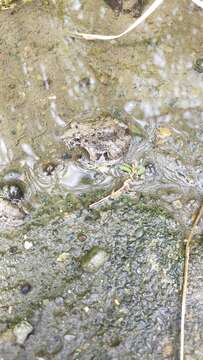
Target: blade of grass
(185, 280)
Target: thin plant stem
(185, 280)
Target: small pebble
(81, 237)
(139, 233)
(28, 245)
(59, 301)
(25, 288)
(116, 302)
(21, 331)
(177, 204)
(115, 341)
(69, 337)
(168, 350)
(45, 302)
(63, 257)
(13, 249)
(94, 259)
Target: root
(185, 281)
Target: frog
(101, 139)
(134, 7)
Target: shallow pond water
(73, 113)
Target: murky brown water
(72, 112)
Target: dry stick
(147, 13)
(185, 281)
(113, 194)
(117, 193)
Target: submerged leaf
(126, 168)
(140, 170)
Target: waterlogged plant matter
(141, 19)
(132, 169)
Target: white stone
(21, 331)
(28, 245)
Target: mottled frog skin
(102, 139)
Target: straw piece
(142, 18)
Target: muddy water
(71, 113)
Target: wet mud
(104, 281)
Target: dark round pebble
(84, 83)
(25, 288)
(13, 249)
(115, 341)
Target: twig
(114, 194)
(143, 17)
(117, 193)
(185, 281)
